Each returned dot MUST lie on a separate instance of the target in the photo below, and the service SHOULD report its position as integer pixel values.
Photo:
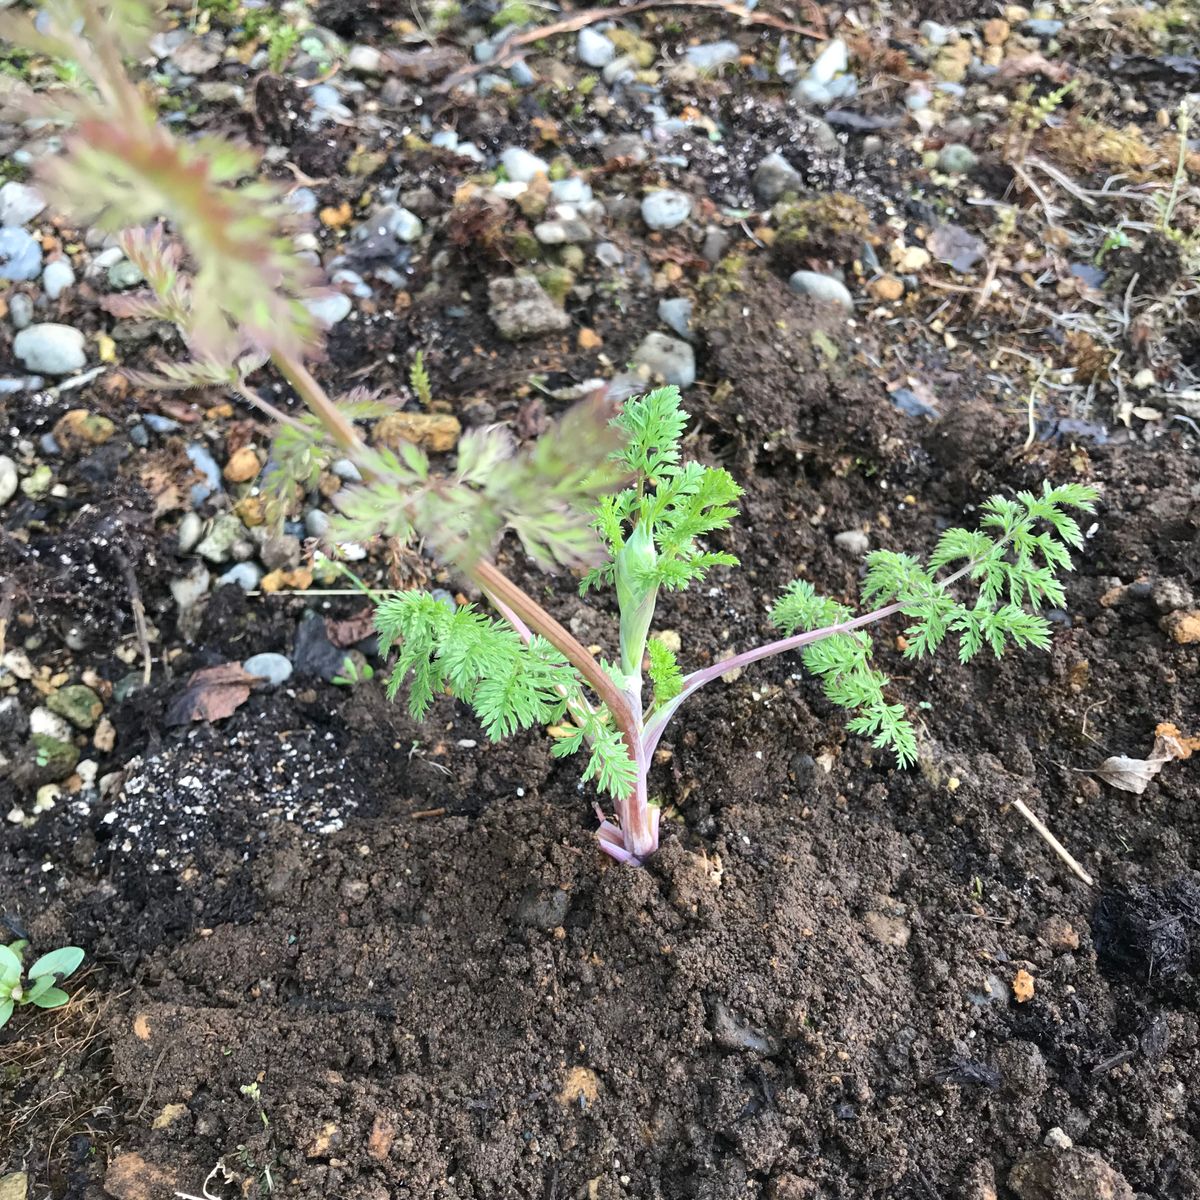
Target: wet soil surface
(337, 953)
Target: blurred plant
(352, 673)
(418, 376)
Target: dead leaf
(955, 246)
(1134, 774)
(212, 694)
(1022, 986)
(352, 630)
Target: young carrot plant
(603, 490)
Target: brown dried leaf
(212, 694)
(352, 630)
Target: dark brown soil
(339, 954)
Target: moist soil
(335, 952)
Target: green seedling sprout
(38, 984)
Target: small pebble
(192, 587)
(8, 479)
(20, 310)
(20, 255)
(832, 61)
(957, 159)
(123, 275)
(668, 358)
(19, 203)
(50, 349)
(594, 49)
(204, 462)
(246, 575)
(853, 541)
(57, 277)
(191, 527)
(712, 55)
(774, 176)
(822, 288)
(330, 308)
(521, 166)
(676, 314)
(316, 523)
(274, 669)
(666, 209)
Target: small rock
(712, 55)
(564, 232)
(400, 223)
(15, 1185)
(822, 288)
(243, 465)
(668, 358)
(1058, 934)
(246, 575)
(191, 529)
(123, 275)
(676, 313)
(78, 703)
(225, 531)
(666, 209)
(20, 310)
(436, 432)
(594, 49)
(274, 669)
(316, 523)
(789, 1186)
(131, 1177)
(886, 287)
(8, 479)
(19, 203)
(934, 33)
(957, 159)
(571, 191)
(996, 31)
(521, 309)
(366, 60)
(543, 911)
(57, 277)
(521, 166)
(886, 930)
(329, 309)
(1170, 595)
(832, 61)
(45, 722)
(192, 587)
(50, 349)
(313, 652)
(105, 737)
(53, 758)
(1067, 1175)
(853, 541)
(1042, 28)
(20, 255)
(1183, 628)
(1056, 1139)
(280, 552)
(775, 176)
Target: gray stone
(57, 277)
(20, 310)
(609, 254)
(124, 274)
(191, 527)
(316, 523)
(202, 459)
(666, 209)
(19, 203)
(957, 159)
(774, 176)
(571, 191)
(192, 587)
(364, 59)
(569, 231)
(594, 49)
(935, 34)
(1170, 595)
(668, 358)
(246, 575)
(218, 543)
(620, 70)
(1042, 27)
(50, 349)
(274, 669)
(49, 724)
(330, 308)
(822, 288)
(8, 479)
(676, 314)
(853, 541)
(345, 470)
(521, 309)
(543, 911)
(712, 55)
(832, 61)
(280, 552)
(314, 653)
(20, 255)
(403, 225)
(521, 166)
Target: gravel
(853, 541)
(329, 309)
(822, 288)
(57, 277)
(19, 203)
(275, 669)
(676, 314)
(594, 49)
(712, 55)
(667, 357)
(666, 209)
(50, 349)
(20, 255)
(520, 309)
(774, 176)
(8, 479)
(20, 310)
(521, 166)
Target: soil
(334, 952)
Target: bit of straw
(1053, 842)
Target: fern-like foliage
(842, 662)
(1013, 560)
(664, 672)
(418, 376)
(509, 683)
(677, 503)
